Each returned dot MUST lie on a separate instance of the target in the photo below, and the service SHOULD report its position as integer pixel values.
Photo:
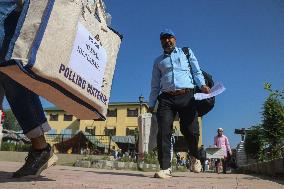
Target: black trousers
(168, 107)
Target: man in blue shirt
(172, 84)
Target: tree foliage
(273, 125)
(278, 94)
(254, 142)
(10, 121)
(266, 141)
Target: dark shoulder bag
(203, 106)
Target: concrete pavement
(75, 177)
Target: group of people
(118, 153)
(174, 77)
(220, 141)
(181, 160)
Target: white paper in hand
(214, 91)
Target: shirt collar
(174, 51)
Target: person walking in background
(221, 141)
(25, 104)
(202, 156)
(173, 86)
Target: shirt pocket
(183, 63)
(165, 66)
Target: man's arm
(228, 145)
(197, 73)
(155, 87)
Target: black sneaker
(36, 162)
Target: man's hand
(151, 110)
(205, 89)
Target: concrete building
(122, 120)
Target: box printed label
(88, 58)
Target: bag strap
(187, 54)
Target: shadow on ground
(7, 177)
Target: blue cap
(167, 32)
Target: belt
(179, 92)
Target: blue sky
(240, 42)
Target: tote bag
(64, 51)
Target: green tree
(266, 140)
(10, 121)
(278, 94)
(254, 143)
(275, 101)
(273, 125)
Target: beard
(168, 47)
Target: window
(132, 113)
(112, 113)
(91, 130)
(53, 117)
(68, 117)
(110, 131)
(131, 131)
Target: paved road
(74, 177)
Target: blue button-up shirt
(171, 72)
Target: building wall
(120, 122)
(59, 125)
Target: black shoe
(36, 162)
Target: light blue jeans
(25, 104)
